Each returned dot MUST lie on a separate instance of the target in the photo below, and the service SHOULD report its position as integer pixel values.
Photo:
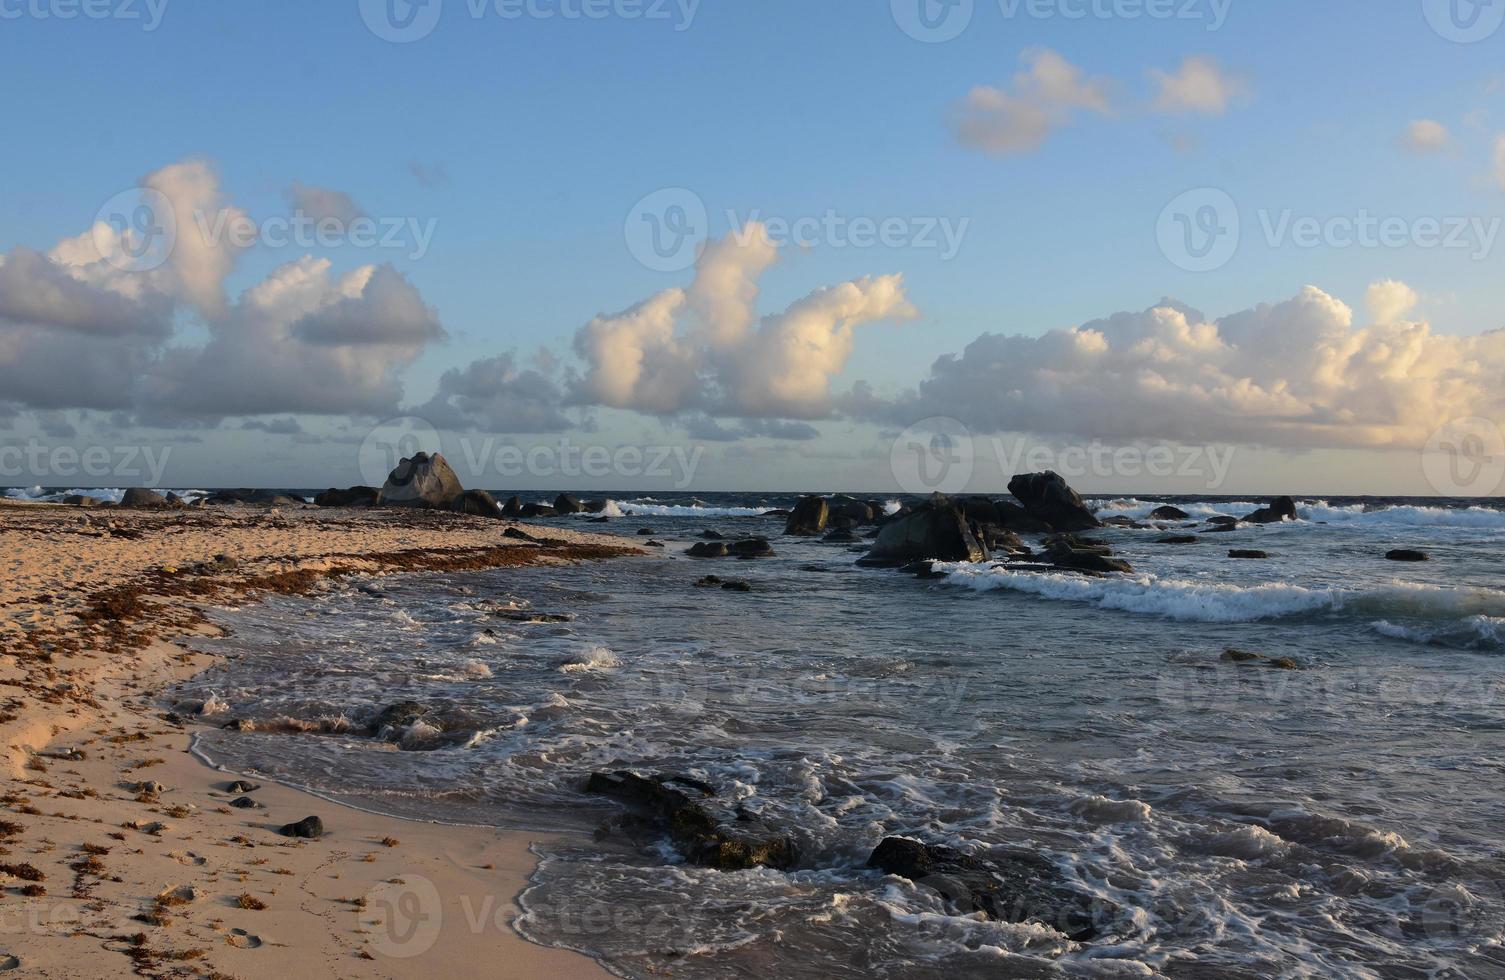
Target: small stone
(308, 827)
(245, 803)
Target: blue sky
(537, 136)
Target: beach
(121, 852)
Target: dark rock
(513, 507)
(240, 787)
(477, 502)
(730, 585)
(922, 569)
(517, 534)
(858, 512)
(708, 549)
(1406, 554)
(1050, 500)
(1169, 513)
(936, 529)
(646, 532)
(245, 803)
(309, 828)
(1247, 553)
(1284, 663)
(353, 497)
(698, 833)
(567, 504)
(750, 548)
(1233, 656)
(1280, 509)
(532, 618)
(1128, 522)
(393, 720)
(1088, 561)
(1005, 885)
(79, 500)
(595, 506)
(422, 480)
(141, 497)
(1222, 520)
(1017, 519)
(653, 544)
(536, 510)
(842, 537)
(809, 517)
(1178, 539)
(712, 535)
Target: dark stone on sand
(694, 829)
(936, 529)
(1048, 498)
(708, 549)
(1005, 885)
(1246, 553)
(1178, 539)
(1280, 509)
(568, 504)
(352, 497)
(422, 480)
(245, 803)
(517, 534)
(1406, 554)
(79, 500)
(1169, 513)
(308, 828)
(476, 502)
(141, 497)
(240, 787)
(809, 517)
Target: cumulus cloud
(1198, 86)
(1389, 300)
(707, 429)
(1426, 136)
(1042, 98)
(203, 252)
(277, 427)
(494, 395)
(321, 203)
(1300, 373)
(702, 348)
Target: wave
(110, 494)
(1403, 516)
(1208, 602)
(1471, 633)
(635, 508)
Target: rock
(730, 585)
(708, 549)
(537, 510)
(396, 718)
(309, 828)
(477, 502)
(1222, 520)
(1127, 522)
(1280, 509)
(842, 537)
(141, 497)
(1233, 656)
(149, 787)
(1169, 513)
(936, 529)
(517, 534)
(595, 506)
(533, 618)
(1005, 885)
(1247, 553)
(859, 512)
(79, 500)
(1406, 554)
(1284, 663)
(750, 548)
(568, 504)
(1050, 500)
(712, 535)
(1017, 519)
(653, 544)
(921, 569)
(513, 507)
(1079, 554)
(353, 497)
(241, 787)
(809, 517)
(645, 532)
(421, 481)
(245, 803)
(1178, 539)
(695, 830)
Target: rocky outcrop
(1015, 518)
(708, 549)
(858, 512)
(702, 836)
(513, 507)
(567, 503)
(1005, 885)
(936, 530)
(1048, 499)
(422, 480)
(809, 517)
(750, 548)
(141, 497)
(1169, 513)
(536, 510)
(1077, 554)
(477, 502)
(353, 497)
(1280, 509)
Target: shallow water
(1340, 820)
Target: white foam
(636, 508)
(1404, 516)
(590, 659)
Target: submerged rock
(708, 549)
(1247, 553)
(1178, 539)
(696, 832)
(750, 548)
(1406, 554)
(1009, 886)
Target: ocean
(1342, 819)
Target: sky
(783, 245)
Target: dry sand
(121, 854)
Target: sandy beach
(121, 853)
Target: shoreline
(121, 853)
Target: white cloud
(1044, 97)
(1389, 300)
(494, 395)
(699, 348)
(1199, 86)
(1299, 373)
(1426, 136)
(320, 203)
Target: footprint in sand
(190, 858)
(241, 939)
